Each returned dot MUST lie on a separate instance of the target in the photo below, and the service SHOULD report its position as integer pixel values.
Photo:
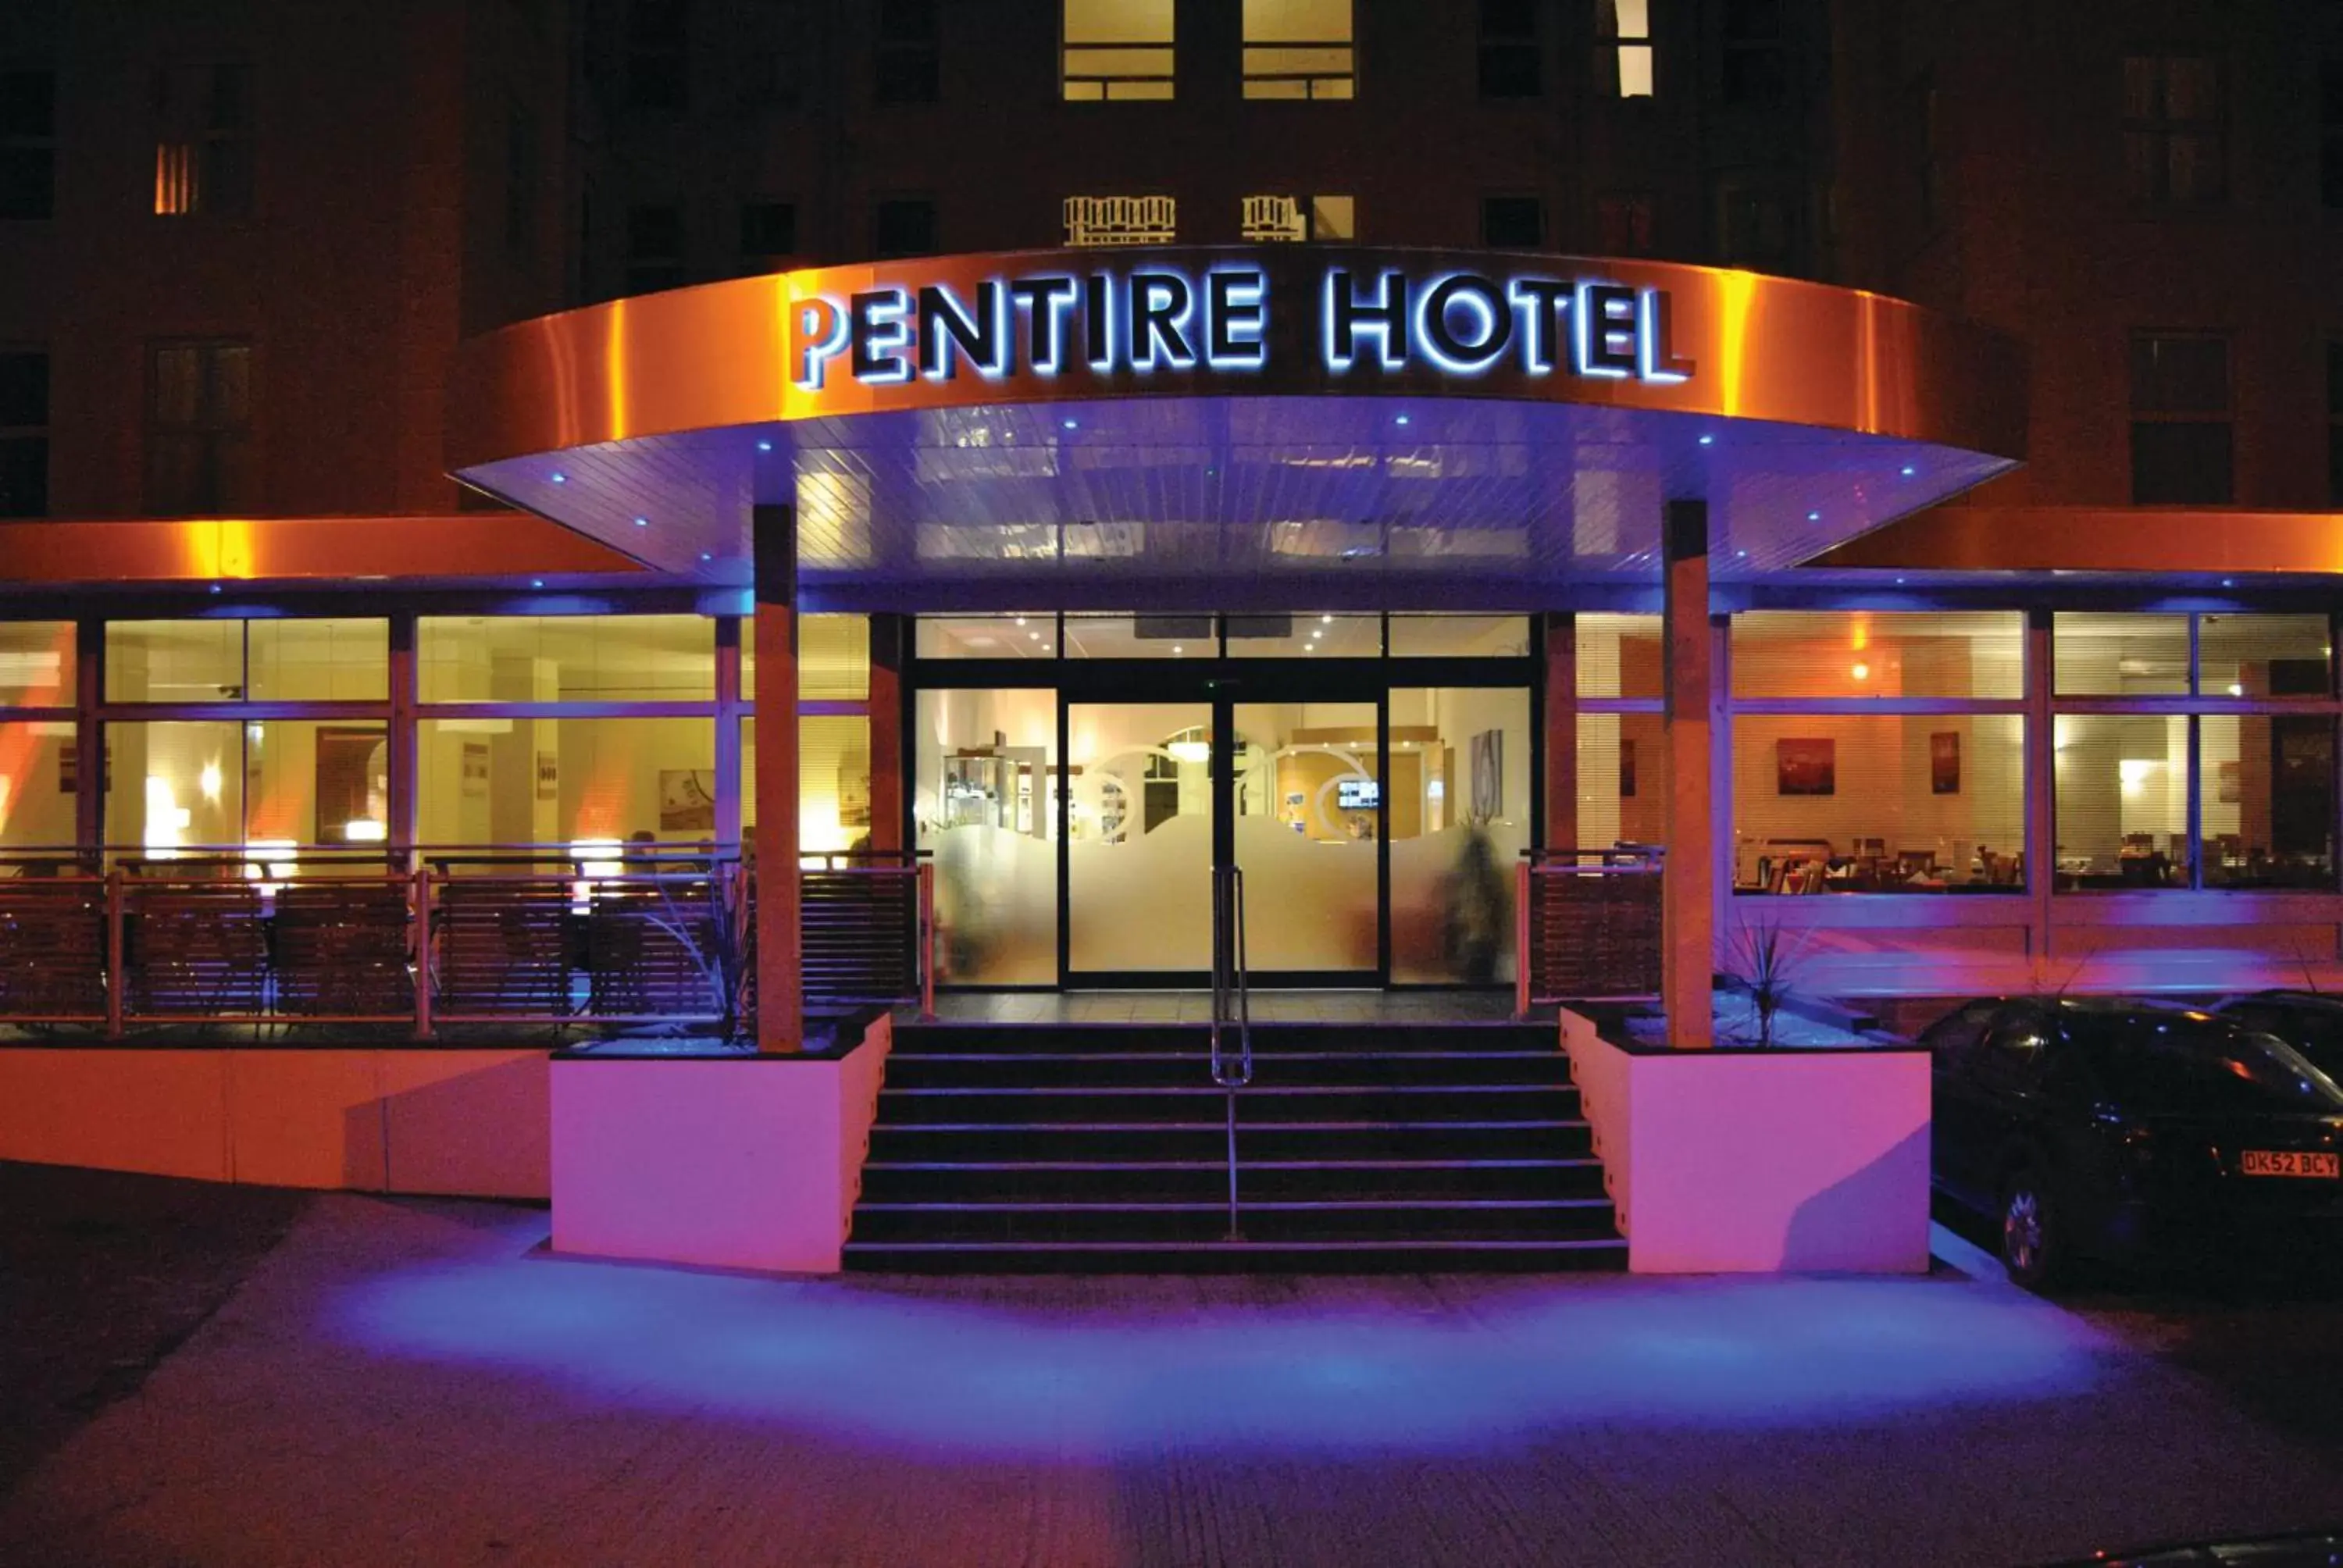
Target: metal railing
(1231, 1009)
(535, 935)
(1586, 926)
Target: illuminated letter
(878, 331)
(1541, 302)
(1098, 324)
(1603, 339)
(1476, 297)
(1234, 300)
(1655, 358)
(817, 333)
(1045, 301)
(948, 335)
(1348, 318)
(1161, 303)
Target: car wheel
(2030, 1244)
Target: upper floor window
(199, 428)
(2181, 418)
(1511, 59)
(909, 57)
(905, 225)
(2175, 139)
(1299, 49)
(1756, 227)
(1513, 223)
(1756, 71)
(28, 143)
(1116, 50)
(1287, 218)
(1626, 222)
(658, 55)
(203, 144)
(654, 247)
(768, 232)
(1626, 28)
(770, 58)
(24, 433)
(1122, 221)
(2330, 133)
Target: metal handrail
(1231, 1009)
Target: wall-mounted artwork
(548, 775)
(1945, 762)
(2232, 782)
(687, 800)
(1626, 771)
(1488, 753)
(1806, 766)
(476, 767)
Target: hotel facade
(1797, 467)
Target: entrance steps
(1004, 1148)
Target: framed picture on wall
(2232, 782)
(1626, 771)
(548, 775)
(1806, 766)
(1945, 762)
(476, 767)
(687, 800)
(1488, 755)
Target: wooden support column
(888, 634)
(780, 978)
(1687, 909)
(2041, 786)
(1561, 731)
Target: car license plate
(2285, 1162)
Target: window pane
(38, 776)
(23, 389)
(987, 812)
(2120, 655)
(987, 637)
(1516, 223)
(1622, 781)
(833, 658)
(316, 783)
(23, 477)
(1860, 653)
(2263, 655)
(567, 658)
(37, 663)
(1459, 819)
(2268, 799)
(2180, 375)
(833, 782)
(174, 786)
(2180, 464)
(347, 660)
(1139, 636)
(174, 660)
(1460, 635)
(2122, 800)
(1287, 636)
(1886, 803)
(1309, 804)
(1619, 656)
(511, 780)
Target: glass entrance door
(1308, 819)
(1140, 808)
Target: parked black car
(2309, 1021)
(2129, 1131)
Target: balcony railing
(1586, 926)
(520, 935)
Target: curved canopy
(1234, 427)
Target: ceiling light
(1190, 751)
(537, 582)
(1020, 620)
(642, 522)
(764, 446)
(705, 557)
(1909, 470)
(1325, 620)
(560, 478)
(1708, 440)
(1814, 517)
(1177, 648)
(2236, 690)
(1033, 636)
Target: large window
(2180, 420)
(176, 786)
(833, 783)
(1299, 49)
(567, 658)
(909, 63)
(199, 428)
(1756, 64)
(203, 145)
(1878, 752)
(28, 143)
(768, 235)
(24, 433)
(198, 661)
(655, 248)
(1116, 50)
(1458, 816)
(903, 226)
(659, 35)
(985, 804)
(2226, 718)
(1122, 219)
(2176, 142)
(1513, 222)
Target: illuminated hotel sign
(1231, 318)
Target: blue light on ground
(1013, 1367)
